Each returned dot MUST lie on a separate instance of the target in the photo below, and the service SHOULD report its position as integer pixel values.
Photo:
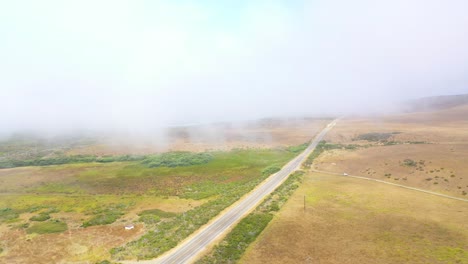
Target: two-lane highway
(190, 248)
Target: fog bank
(137, 66)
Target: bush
(238, 239)
(177, 159)
(102, 219)
(149, 219)
(409, 162)
(59, 160)
(270, 170)
(40, 217)
(104, 262)
(274, 206)
(153, 216)
(47, 227)
(7, 214)
(375, 136)
(298, 149)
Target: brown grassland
(436, 141)
(349, 220)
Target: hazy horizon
(142, 65)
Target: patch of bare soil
(22, 178)
(77, 245)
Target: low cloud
(139, 66)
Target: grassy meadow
(168, 195)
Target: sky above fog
(129, 65)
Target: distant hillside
(436, 103)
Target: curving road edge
(189, 249)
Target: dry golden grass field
(437, 143)
(349, 220)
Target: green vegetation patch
(233, 246)
(40, 217)
(153, 216)
(319, 149)
(62, 159)
(54, 226)
(177, 159)
(223, 177)
(103, 219)
(270, 170)
(451, 254)
(167, 234)
(149, 219)
(56, 187)
(182, 174)
(410, 163)
(205, 189)
(298, 149)
(105, 215)
(8, 214)
(323, 146)
(374, 136)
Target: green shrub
(47, 227)
(274, 206)
(238, 239)
(297, 149)
(149, 219)
(177, 159)
(374, 136)
(270, 170)
(7, 214)
(104, 262)
(103, 219)
(22, 226)
(409, 162)
(321, 147)
(59, 160)
(40, 217)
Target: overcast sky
(115, 64)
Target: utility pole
(304, 203)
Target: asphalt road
(189, 249)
